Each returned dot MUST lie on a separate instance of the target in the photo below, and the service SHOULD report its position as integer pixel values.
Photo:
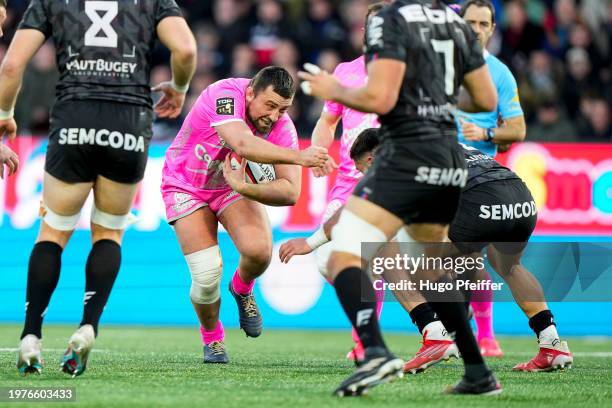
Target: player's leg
(364, 221)
(247, 224)
(481, 302)
(110, 216)
(60, 210)
(437, 345)
(338, 197)
(452, 312)
(197, 236)
(553, 354)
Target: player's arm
(303, 246)
(379, 95)
(478, 93)
(24, 45)
(323, 135)
(283, 191)
(174, 33)
(240, 138)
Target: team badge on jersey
(225, 106)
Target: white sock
(549, 336)
(436, 331)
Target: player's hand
(8, 127)
(9, 159)
(472, 132)
(313, 156)
(171, 103)
(297, 246)
(234, 177)
(329, 166)
(322, 85)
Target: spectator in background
(243, 62)
(321, 29)
(580, 37)
(578, 81)
(232, 25)
(539, 83)
(209, 56)
(354, 14)
(520, 37)
(598, 124)
(565, 16)
(552, 125)
(268, 30)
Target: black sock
(422, 315)
(100, 274)
(352, 285)
(454, 317)
(43, 274)
(541, 321)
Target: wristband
(177, 88)
(317, 239)
(490, 133)
(4, 115)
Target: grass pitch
(162, 367)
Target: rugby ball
(255, 173)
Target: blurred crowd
(559, 51)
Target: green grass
(155, 367)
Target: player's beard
(262, 124)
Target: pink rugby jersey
(197, 153)
(350, 74)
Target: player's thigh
(196, 231)
(113, 197)
(375, 215)
(62, 197)
(247, 223)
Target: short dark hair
(365, 142)
(479, 3)
(280, 79)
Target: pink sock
(241, 287)
(482, 304)
(218, 334)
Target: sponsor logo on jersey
(101, 67)
(499, 212)
(442, 177)
(225, 106)
(101, 137)
(435, 110)
(416, 13)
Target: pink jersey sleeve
(331, 107)
(284, 133)
(221, 103)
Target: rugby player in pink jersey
(200, 188)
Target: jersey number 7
(447, 49)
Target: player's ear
(250, 94)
